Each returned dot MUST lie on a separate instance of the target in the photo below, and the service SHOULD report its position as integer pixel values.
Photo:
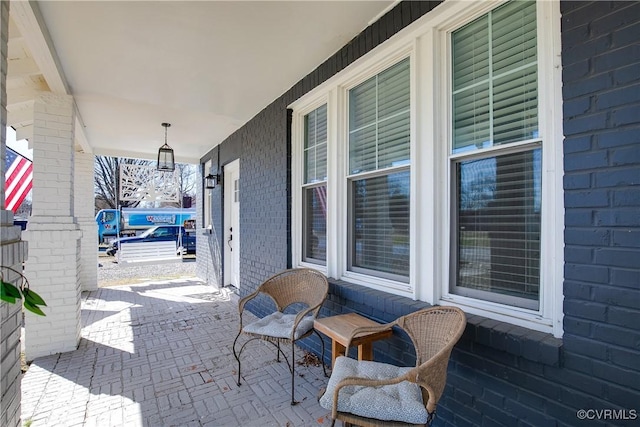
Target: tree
(106, 181)
(24, 210)
(186, 180)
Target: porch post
(53, 234)
(85, 217)
(13, 252)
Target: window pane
(515, 106)
(362, 150)
(380, 224)
(471, 119)
(471, 54)
(310, 165)
(498, 227)
(315, 145)
(315, 225)
(362, 104)
(321, 162)
(379, 125)
(513, 36)
(393, 90)
(495, 87)
(393, 141)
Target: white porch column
(85, 217)
(53, 234)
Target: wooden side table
(339, 329)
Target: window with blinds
(379, 156)
(314, 192)
(497, 195)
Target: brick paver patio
(159, 354)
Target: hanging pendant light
(166, 161)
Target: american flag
(18, 179)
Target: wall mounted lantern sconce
(166, 161)
(210, 181)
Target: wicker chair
(393, 396)
(303, 290)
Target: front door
(232, 224)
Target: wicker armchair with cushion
(369, 393)
(298, 295)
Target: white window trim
(376, 67)
(426, 42)
(549, 316)
(297, 177)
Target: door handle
(230, 239)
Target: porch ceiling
(206, 67)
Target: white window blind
(498, 236)
(379, 121)
(495, 98)
(314, 192)
(381, 224)
(315, 145)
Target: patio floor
(159, 354)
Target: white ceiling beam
(22, 95)
(27, 18)
(20, 116)
(24, 132)
(140, 155)
(26, 15)
(80, 136)
(22, 67)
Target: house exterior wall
(502, 374)
(13, 252)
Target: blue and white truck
(114, 223)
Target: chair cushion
(397, 402)
(279, 325)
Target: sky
(21, 146)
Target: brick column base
(52, 269)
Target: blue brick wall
(500, 374)
(601, 94)
(261, 146)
